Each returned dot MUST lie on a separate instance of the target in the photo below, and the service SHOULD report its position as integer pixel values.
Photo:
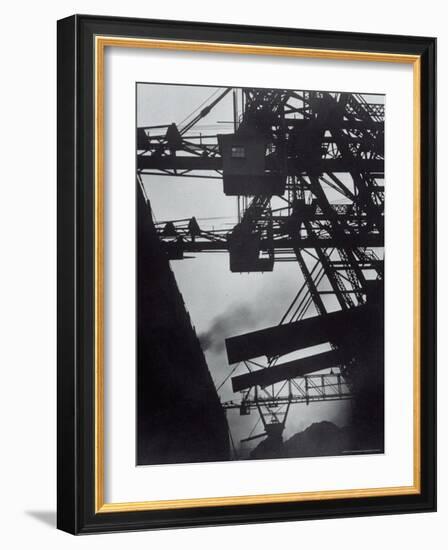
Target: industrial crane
(321, 154)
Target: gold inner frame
(101, 42)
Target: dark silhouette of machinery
(323, 154)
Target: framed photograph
(246, 274)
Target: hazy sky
(211, 292)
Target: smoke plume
(229, 323)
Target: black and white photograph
(260, 273)
(220, 281)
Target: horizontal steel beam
(287, 371)
(350, 242)
(282, 339)
(295, 399)
(169, 162)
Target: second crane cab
(247, 252)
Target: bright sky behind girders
(244, 302)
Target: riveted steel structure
(322, 155)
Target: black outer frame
(75, 404)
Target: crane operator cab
(248, 252)
(251, 165)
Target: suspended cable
(198, 108)
(227, 377)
